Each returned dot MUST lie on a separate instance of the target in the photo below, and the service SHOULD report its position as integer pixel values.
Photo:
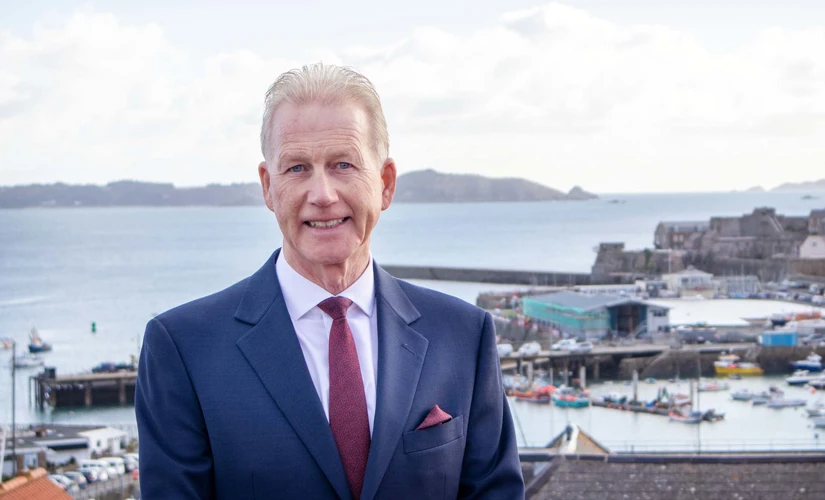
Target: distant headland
(423, 186)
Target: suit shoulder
(205, 308)
(428, 298)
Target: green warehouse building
(595, 316)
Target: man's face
(325, 183)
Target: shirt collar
(301, 295)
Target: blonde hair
(327, 85)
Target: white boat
(742, 395)
(819, 421)
(801, 377)
(27, 361)
(785, 403)
(817, 409)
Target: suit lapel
(271, 347)
(401, 352)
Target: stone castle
(761, 243)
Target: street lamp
(13, 409)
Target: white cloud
(551, 93)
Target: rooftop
(668, 478)
(584, 302)
(32, 485)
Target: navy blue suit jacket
(226, 408)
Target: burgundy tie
(347, 404)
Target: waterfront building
(595, 316)
(813, 247)
(60, 444)
(691, 279)
(739, 286)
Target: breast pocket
(432, 437)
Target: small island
(430, 186)
(802, 186)
(423, 186)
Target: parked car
(64, 482)
(564, 345)
(529, 349)
(92, 474)
(78, 477)
(117, 463)
(582, 347)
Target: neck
(334, 278)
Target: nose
(321, 189)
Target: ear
(263, 173)
(388, 175)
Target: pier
(620, 361)
(82, 390)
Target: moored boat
(819, 421)
(800, 377)
(713, 387)
(817, 409)
(693, 418)
(813, 363)
(568, 398)
(729, 364)
(36, 344)
(742, 395)
(27, 361)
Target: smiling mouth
(326, 224)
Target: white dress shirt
(313, 326)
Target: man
(321, 376)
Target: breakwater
(497, 276)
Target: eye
(296, 168)
(343, 164)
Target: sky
(611, 95)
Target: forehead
(307, 124)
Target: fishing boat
(819, 421)
(713, 387)
(568, 398)
(27, 361)
(36, 344)
(813, 363)
(801, 377)
(729, 364)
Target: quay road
(513, 361)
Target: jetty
(83, 389)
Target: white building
(813, 247)
(689, 279)
(59, 444)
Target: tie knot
(336, 307)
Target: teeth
(327, 224)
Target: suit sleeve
(491, 467)
(175, 456)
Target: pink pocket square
(435, 417)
